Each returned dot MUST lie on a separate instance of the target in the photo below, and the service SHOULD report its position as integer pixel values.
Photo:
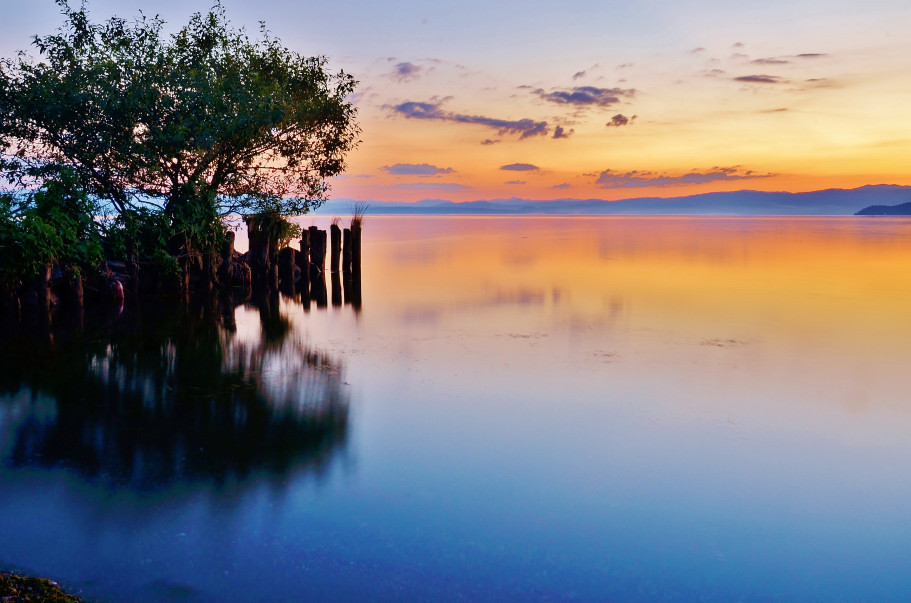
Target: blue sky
(607, 99)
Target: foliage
(272, 229)
(358, 209)
(194, 126)
(55, 224)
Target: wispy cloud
(404, 72)
(759, 79)
(770, 61)
(620, 120)
(559, 132)
(560, 187)
(416, 169)
(586, 96)
(640, 179)
(431, 186)
(515, 182)
(488, 142)
(525, 128)
(520, 167)
(579, 74)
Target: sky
(581, 99)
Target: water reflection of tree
(170, 398)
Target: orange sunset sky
(578, 99)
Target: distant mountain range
(832, 202)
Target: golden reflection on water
(732, 314)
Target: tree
(193, 126)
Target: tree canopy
(202, 123)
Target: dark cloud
(770, 61)
(759, 79)
(520, 167)
(779, 110)
(416, 169)
(404, 72)
(620, 120)
(579, 74)
(526, 128)
(561, 187)
(488, 142)
(586, 96)
(811, 55)
(559, 132)
(515, 182)
(639, 179)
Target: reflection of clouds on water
(179, 400)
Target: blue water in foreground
(519, 409)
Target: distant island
(902, 209)
(830, 202)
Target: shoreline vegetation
(124, 152)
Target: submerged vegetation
(123, 143)
(21, 589)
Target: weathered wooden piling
(303, 256)
(355, 245)
(346, 251)
(336, 246)
(44, 289)
(286, 265)
(317, 250)
(258, 255)
(227, 258)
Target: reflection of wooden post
(356, 301)
(318, 291)
(336, 290)
(336, 235)
(346, 250)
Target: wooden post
(318, 240)
(286, 269)
(303, 257)
(227, 258)
(303, 262)
(44, 289)
(336, 236)
(315, 266)
(356, 247)
(346, 251)
(258, 255)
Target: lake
(514, 408)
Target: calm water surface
(521, 408)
